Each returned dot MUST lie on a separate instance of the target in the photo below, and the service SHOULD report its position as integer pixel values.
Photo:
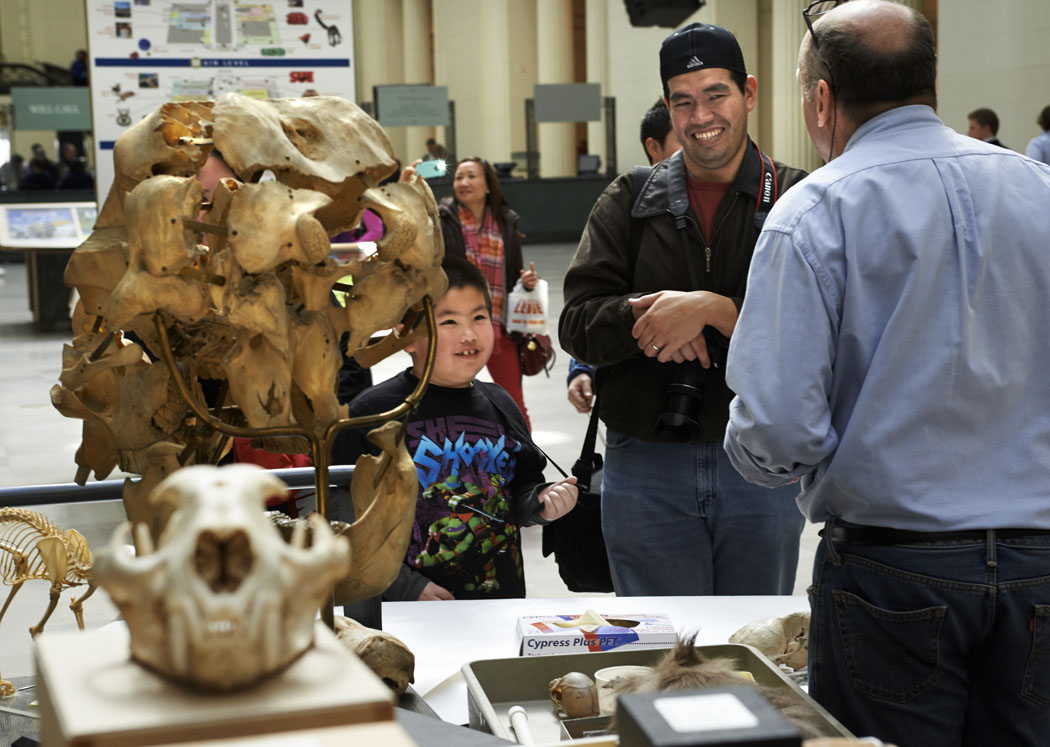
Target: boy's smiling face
(464, 339)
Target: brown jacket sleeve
(596, 319)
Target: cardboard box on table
(92, 693)
(543, 635)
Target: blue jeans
(938, 643)
(678, 519)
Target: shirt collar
(746, 181)
(911, 116)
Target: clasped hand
(669, 325)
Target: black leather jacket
(595, 324)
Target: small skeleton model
(575, 695)
(223, 601)
(235, 290)
(384, 654)
(785, 640)
(684, 668)
(32, 547)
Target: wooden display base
(92, 693)
(385, 733)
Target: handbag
(535, 353)
(576, 539)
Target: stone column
(493, 82)
(597, 22)
(742, 18)
(789, 142)
(521, 48)
(554, 65)
(470, 58)
(419, 69)
(378, 55)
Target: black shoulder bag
(576, 539)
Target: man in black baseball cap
(710, 95)
(661, 270)
(697, 46)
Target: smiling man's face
(709, 117)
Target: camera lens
(685, 397)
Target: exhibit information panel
(144, 53)
(46, 225)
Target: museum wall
(486, 52)
(35, 31)
(29, 34)
(994, 55)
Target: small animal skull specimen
(32, 547)
(384, 654)
(223, 601)
(575, 695)
(785, 640)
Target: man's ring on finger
(655, 347)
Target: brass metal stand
(320, 444)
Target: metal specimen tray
(494, 685)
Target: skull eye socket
(223, 562)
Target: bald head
(879, 24)
(875, 54)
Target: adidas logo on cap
(699, 46)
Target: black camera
(685, 396)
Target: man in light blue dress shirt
(1039, 146)
(892, 355)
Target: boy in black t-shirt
(480, 475)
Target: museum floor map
(144, 53)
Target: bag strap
(509, 419)
(768, 192)
(638, 179)
(589, 460)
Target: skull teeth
(222, 627)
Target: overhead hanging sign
(411, 106)
(568, 102)
(51, 108)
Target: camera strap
(767, 189)
(768, 192)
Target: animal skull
(785, 639)
(243, 286)
(575, 695)
(223, 601)
(384, 654)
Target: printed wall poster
(144, 53)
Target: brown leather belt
(863, 535)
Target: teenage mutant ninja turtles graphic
(466, 543)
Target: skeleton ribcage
(20, 530)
